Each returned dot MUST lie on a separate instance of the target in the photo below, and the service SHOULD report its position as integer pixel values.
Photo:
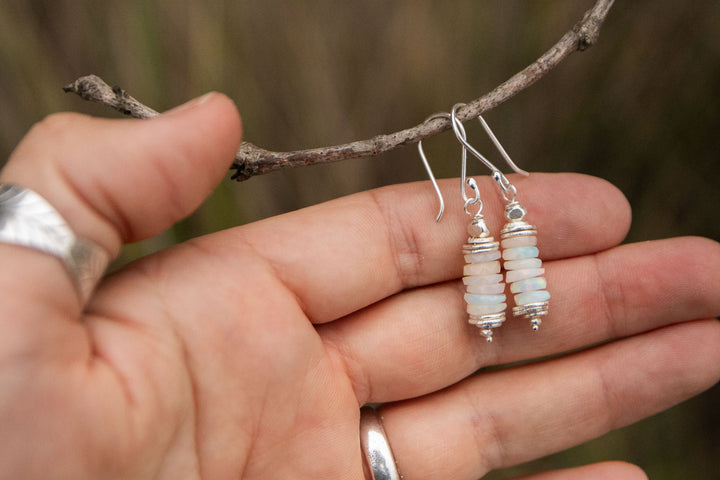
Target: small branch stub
(94, 89)
(252, 160)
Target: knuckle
(56, 127)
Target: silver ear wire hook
(475, 199)
(500, 147)
(471, 182)
(457, 128)
(467, 181)
(508, 189)
(429, 170)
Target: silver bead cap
(478, 228)
(514, 211)
(486, 323)
(532, 312)
(491, 320)
(480, 239)
(480, 245)
(517, 229)
(516, 226)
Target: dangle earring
(521, 262)
(485, 289)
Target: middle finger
(419, 341)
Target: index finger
(346, 254)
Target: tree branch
(252, 160)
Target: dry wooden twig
(252, 160)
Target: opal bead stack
(483, 281)
(523, 268)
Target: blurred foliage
(639, 109)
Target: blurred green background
(640, 109)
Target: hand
(247, 353)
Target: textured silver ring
(28, 220)
(376, 447)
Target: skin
(247, 353)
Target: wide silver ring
(28, 220)
(376, 447)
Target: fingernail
(191, 104)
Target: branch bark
(252, 160)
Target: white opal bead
(523, 241)
(482, 256)
(483, 268)
(528, 285)
(485, 309)
(485, 289)
(520, 252)
(523, 264)
(523, 269)
(483, 299)
(515, 275)
(532, 297)
(483, 280)
(493, 288)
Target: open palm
(247, 353)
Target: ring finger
(506, 417)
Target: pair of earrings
(484, 283)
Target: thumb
(113, 181)
(117, 181)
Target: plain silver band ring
(28, 220)
(376, 447)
